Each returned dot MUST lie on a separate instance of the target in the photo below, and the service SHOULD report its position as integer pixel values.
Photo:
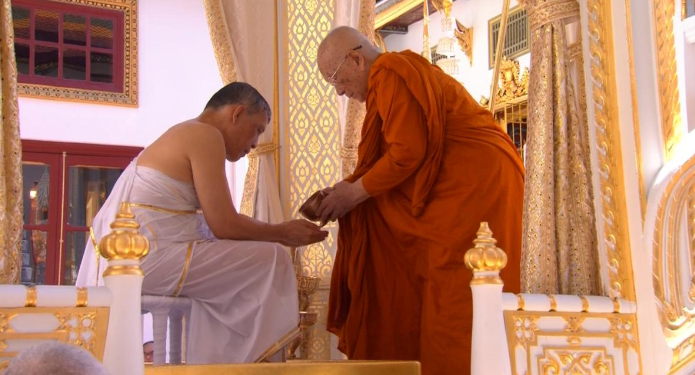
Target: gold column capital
(124, 242)
(485, 256)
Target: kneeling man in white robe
(241, 281)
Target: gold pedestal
(307, 286)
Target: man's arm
(206, 152)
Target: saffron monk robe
(432, 164)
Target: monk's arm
(206, 153)
(405, 132)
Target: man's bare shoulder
(194, 131)
(173, 152)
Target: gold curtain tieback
(544, 13)
(263, 148)
(574, 52)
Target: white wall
(177, 74)
(476, 13)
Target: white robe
(244, 293)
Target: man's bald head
(344, 58)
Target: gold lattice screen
(312, 146)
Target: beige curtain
(11, 199)
(360, 15)
(244, 39)
(559, 248)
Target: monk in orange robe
(432, 164)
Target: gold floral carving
(667, 78)
(129, 96)
(511, 85)
(80, 326)
(464, 36)
(614, 236)
(563, 349)
(11, 200)
(221, 41)
(550, 11)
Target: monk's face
(346, 72)
(242, 132)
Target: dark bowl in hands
(310, 208)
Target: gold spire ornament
(124, 243)
(485, 258)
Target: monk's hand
(301, 232)
(341, 199)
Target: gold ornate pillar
(311, 145)
(559, 246)
(613, 237)
(11, 199)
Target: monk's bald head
(344, 58)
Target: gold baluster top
(124, 241)
(485, 256)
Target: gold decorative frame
(394, 11)
(611, 203)
(675, 298)
(667, 77)
(129, 96)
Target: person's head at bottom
(55, 358)
(148, 351)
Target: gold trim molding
(394, 11)
(221, 43)
(615, 235)
(667, 78)
(675, 299)
(129, 96)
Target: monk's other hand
(301, 232)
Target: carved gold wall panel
(81, 326)
(613, 217)
(312, 143)
(572, 343)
